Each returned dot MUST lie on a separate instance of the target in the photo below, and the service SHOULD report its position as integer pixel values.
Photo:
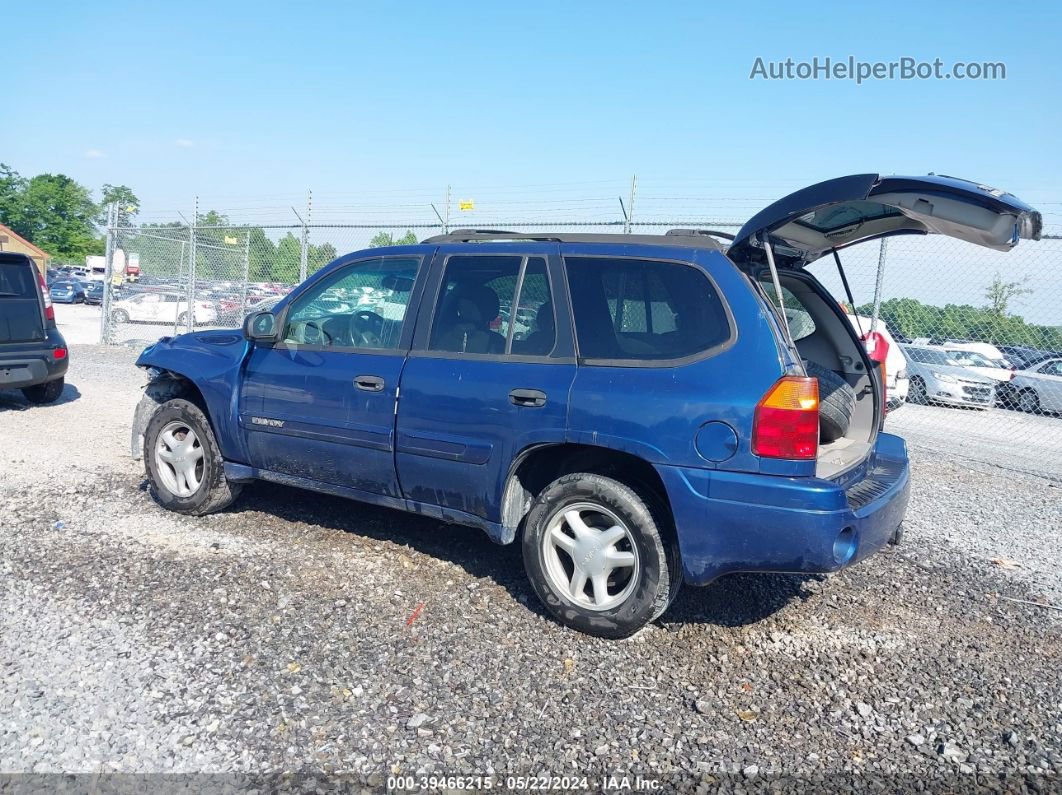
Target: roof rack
(687, 238)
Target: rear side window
(494, 305)
(643, 310)
(797, 317)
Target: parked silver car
(1039, 388)
(936, 377)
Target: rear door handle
(369, 383)
(532, 398)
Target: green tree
(128, 204)
(1000, 293)
(387, 239)
(54, 212)
(11, 185)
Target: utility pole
(629, 219)
(246, 271)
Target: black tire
(836, 402)
(917, 391)
(1029, 401)
(48, 392)
(215, 491)
(120, 316)
(182, 319)
(659, 570)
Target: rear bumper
(28, 363)
(730, 521)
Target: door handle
(369, 383)
(532, 398)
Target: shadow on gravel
(13, 399)
(732, 601)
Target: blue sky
(248, 104)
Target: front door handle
(532, 398)
(369, 383)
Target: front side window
(494, 305)
(633, 309)
(360, 306)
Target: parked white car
(977, 363)
(161, 308)
(1038, 389)
(989, 351)
(897, 383)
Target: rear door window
(20, 308)
(644, 310)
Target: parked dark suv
(659, 409)
(33, 354)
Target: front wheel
(917, 391)
(596, 557)
(183, 461)
(48, 392)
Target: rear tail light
(59, 353)
(787, 420)
(49, 310)
(878, 351)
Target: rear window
(16, 281)
(643, 310)
(20, 317)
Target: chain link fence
(980, 331)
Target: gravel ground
(299, 632)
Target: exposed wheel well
(538, 467)
(164, 385)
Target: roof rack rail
(471, 235)
(677, 238)
(700, 232)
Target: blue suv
(637, 411)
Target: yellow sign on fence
(466, 204)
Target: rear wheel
(183, 461)
(48, 392)
(595, 555)
(1029, 401)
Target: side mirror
(260, 326)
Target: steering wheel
(366, 329)
(314, 334)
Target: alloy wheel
(179, 459)
(590, 556)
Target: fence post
(630, 206)
(180, 275)
(106, 336)
(446, 216)
(190, 312)
(304, 253)
(246, 272)
(877, 285)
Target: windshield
(971, 359)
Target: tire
(48, 392)
(1029, 401)
(120, 316)
(211, 491)
(917, 393)
(629, 599)
(182, 319)
(836, 402)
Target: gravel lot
(284, 635)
